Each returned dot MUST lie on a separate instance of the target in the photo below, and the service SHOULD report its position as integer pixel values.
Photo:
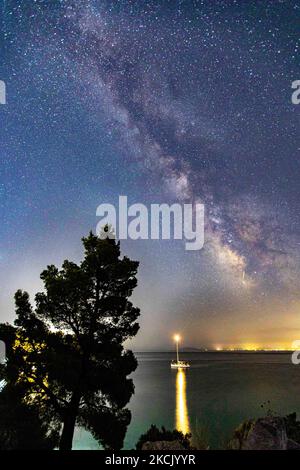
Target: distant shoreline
(262, 351)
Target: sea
(210, 399)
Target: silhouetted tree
(68, 355)
(23, 426)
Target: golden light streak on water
(182, 417)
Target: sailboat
(178, 364)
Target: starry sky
(162, 101)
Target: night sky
(162, 101)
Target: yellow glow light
(182, 418)
(176, 338)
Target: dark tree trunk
(66, 439)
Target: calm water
(218, 392)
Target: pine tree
(68, 355)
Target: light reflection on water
(222, 391)
(182, 417)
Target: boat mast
(177, 338)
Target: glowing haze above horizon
(163, 102)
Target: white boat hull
(180, 365)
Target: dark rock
(267, 433)
(292, 445)
(162, 445)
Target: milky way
(162, 101)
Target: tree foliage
(67, 358)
